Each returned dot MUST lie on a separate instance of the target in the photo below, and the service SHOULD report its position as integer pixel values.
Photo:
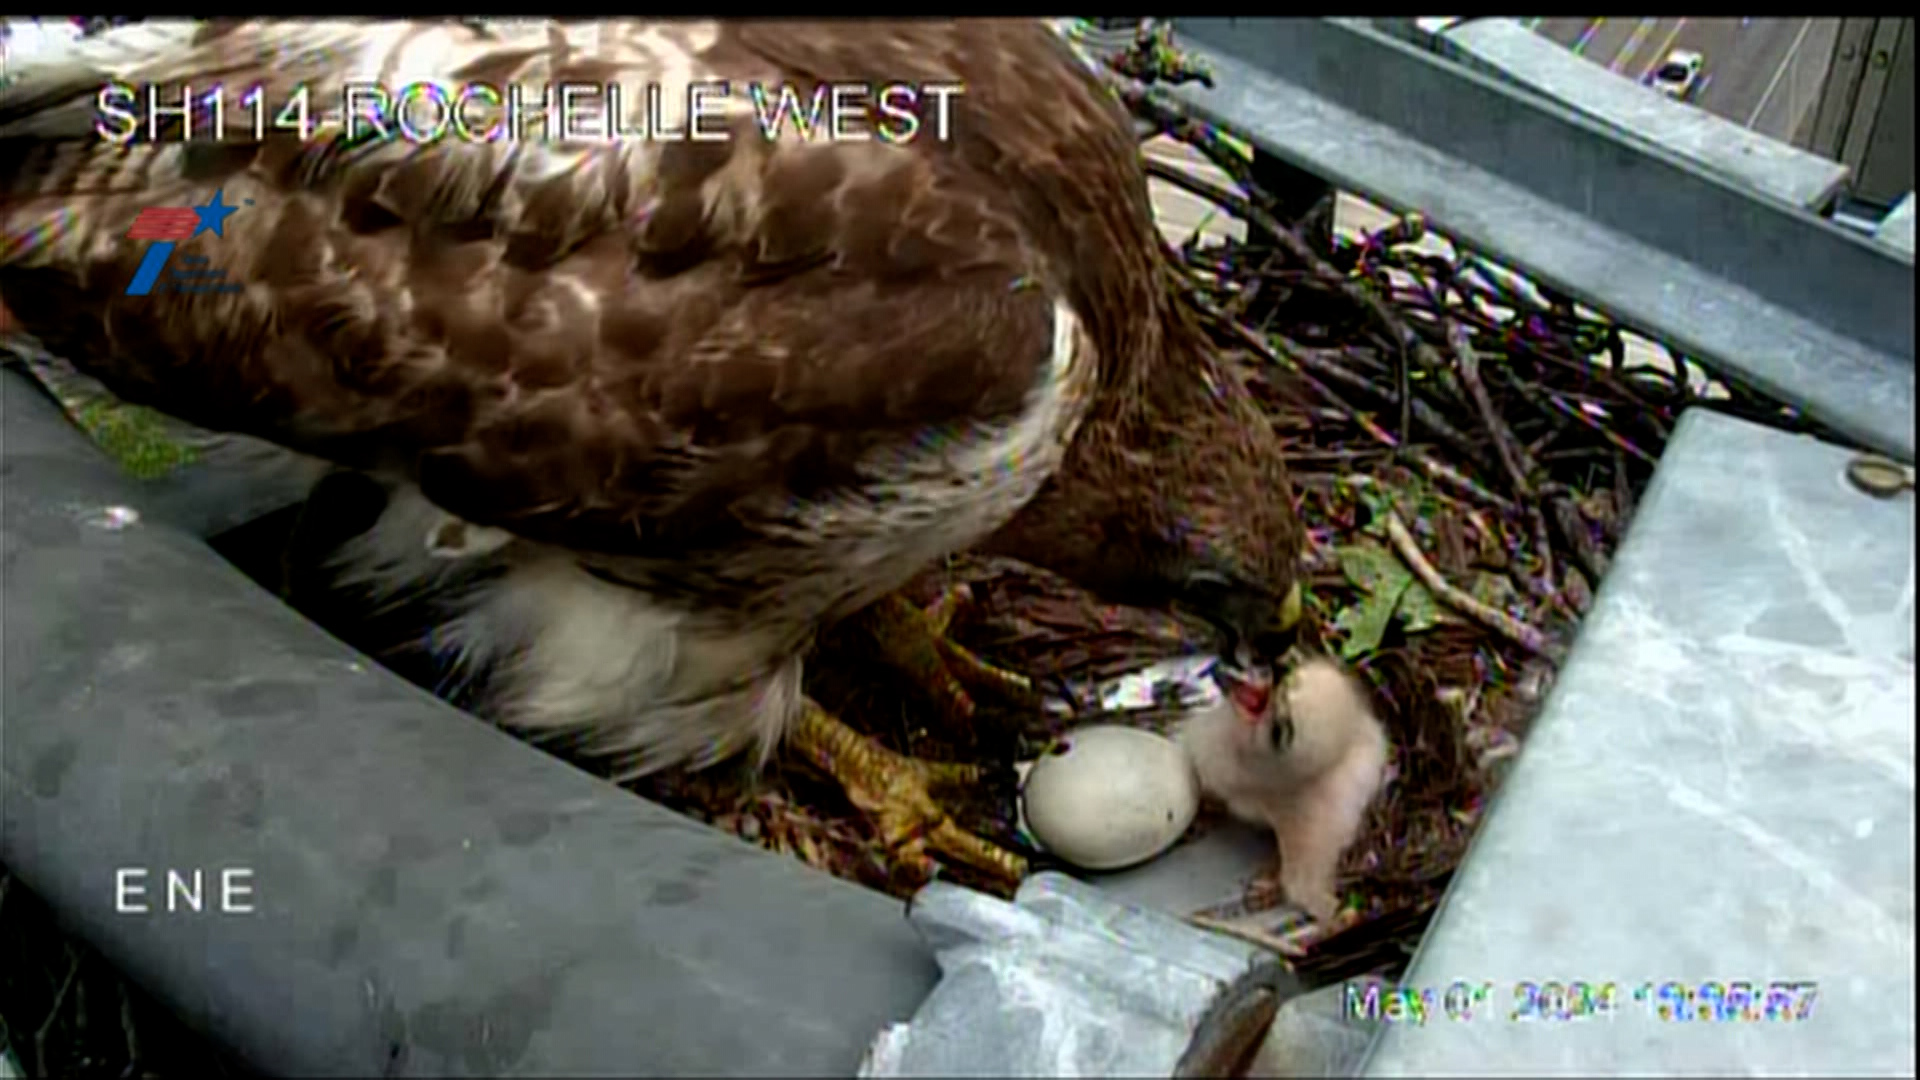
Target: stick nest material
(1467, 450)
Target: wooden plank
(1180, 212)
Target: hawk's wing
(603, 344)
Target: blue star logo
(213, 216)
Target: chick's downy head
(1263, 724)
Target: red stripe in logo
(164, 223)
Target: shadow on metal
(429, 896)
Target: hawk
(688, 400)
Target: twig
(1617, 382)
(1226, 200)
(128, 1030)
(1463, 378)
(1289, 947)
(1551, 403)
(1498, 621)
(1408, 308)
(1181, 124)
(1447, 474)
(1575, 526)
(1153, 58)
(1307, 363)
(1266, 352)
(1568, 517)
(1519, 464)
(53, 1013)
(1319, 362)
(1237, 304)
(1623, 502)
(1405, 401)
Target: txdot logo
(164, 227)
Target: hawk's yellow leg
(895, 792)
(916, 642)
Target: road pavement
(1762, 73)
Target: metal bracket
(1068, 981)
(1765, 290)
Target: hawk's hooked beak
(1244, 615)
(1277, 637)
(1290, 610)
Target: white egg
(1111, 797)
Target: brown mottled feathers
(616, 346)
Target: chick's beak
(1246, 683)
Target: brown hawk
(693, 398)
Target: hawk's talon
(915, 641)
(943, 773)
(969, 668)
(893, 790)
(946, 607)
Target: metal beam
(1803, 309)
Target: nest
(1467, 449)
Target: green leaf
(1418, 609)
(1365, 623)
(1372, 568)
(1391, 591)
(1384, 584)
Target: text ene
(184, 891)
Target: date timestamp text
(1552, 1001)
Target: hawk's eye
(1216, 599)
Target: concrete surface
(1896, 230)
(1065, 980)
(1763, 73)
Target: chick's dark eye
(1282, 733)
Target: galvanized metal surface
(1506, 49)
(1721, 788)
(1800, 307)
